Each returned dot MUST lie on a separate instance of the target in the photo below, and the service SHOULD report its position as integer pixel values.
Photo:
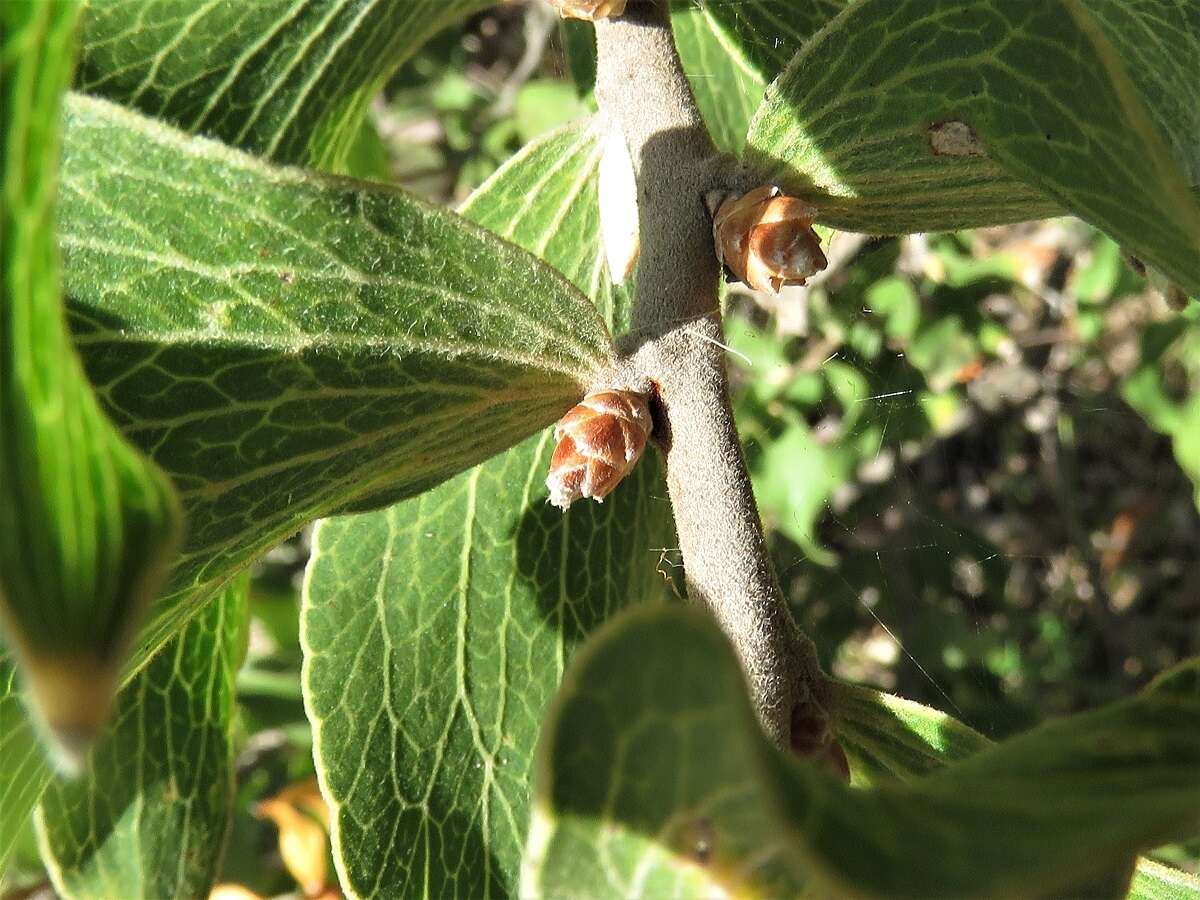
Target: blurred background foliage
(977, 454)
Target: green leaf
(794, 477)
(1154, 881)
(653, 778)
(436, 631)
(888, 737)
(86, 524)
(649, 775)
(1182, 680)
(579, 46)
(885, 736)
(1041, 89)
(545, 104)
(1169, 409)
(286, 79)
(1159, 44)
(732, 51)
(149, 816)
(546, 200)
(24, 770)
(284, 343)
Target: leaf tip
(72, 695)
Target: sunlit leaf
(287, 79)
(890, 737)
(653, 779)
(284, 343)
(1154, 881)
(902, 116)
(86, 523)
(149, 815)
(732, 51)
(24, 770)
(436, 631)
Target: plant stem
(675, 342)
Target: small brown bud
(767, 240)
(589, 10)
(599, 442)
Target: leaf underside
(436, 631)
(276, 68)
(906, 116)
(326, 339)
(285, 79)
(86, 523)
(732, 51)
(149, 815)
(650, 759)
(888, 738)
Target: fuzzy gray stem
(675, 342)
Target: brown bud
(767, 240)
(599, 442)
(589, 10)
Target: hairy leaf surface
(886, 736)
(284, 343)
(889, 738)
(1159, 44)
(436, 631)
(24, 769)
(1154, 881)
(651, 751)
(86, 523)
(732, 51)
(149, 815)
(286, 79)
(906, 116)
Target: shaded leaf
(1182, 680)
(436, 631)
(1173, 411)
(24, 770)
(149, 816)
(901, 116)
(888, 737)
(286, 79)
(732, 51)
(1159, 44)
(579, 46)
(284, 343)
(651, 741)
(86, 523)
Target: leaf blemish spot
(700, 840)
(954, 138)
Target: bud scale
(599, 443)
(766, 239)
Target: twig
(641, 85)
